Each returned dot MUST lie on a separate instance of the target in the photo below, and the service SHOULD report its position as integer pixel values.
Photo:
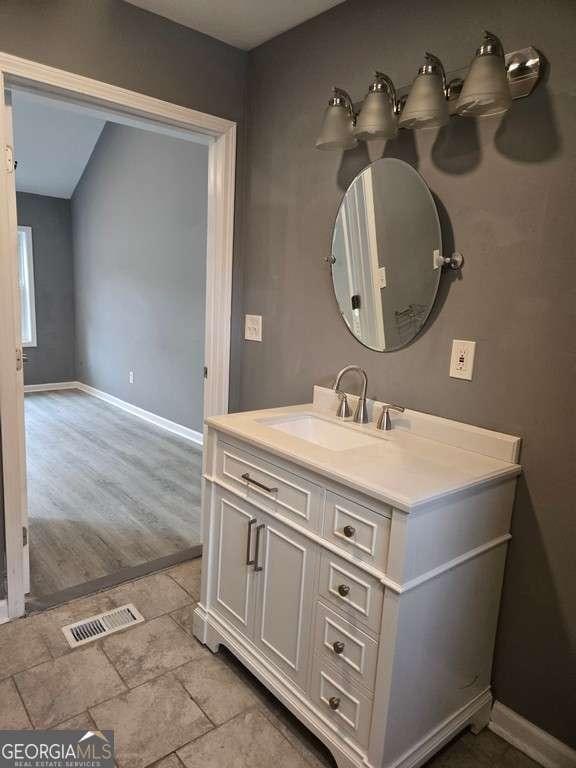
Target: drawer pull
(334, 702)
(343, 590)
(349, 531)
(338, 647)
(246, 476)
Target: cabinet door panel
(234, 584)
(285, 598)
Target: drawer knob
(343, 590)
(338, 646)
(349, 531)
(334, 702)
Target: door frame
(16, 71)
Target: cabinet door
(233, 588)
(283, 629)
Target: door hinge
(24, 535)
(205, 371)
(9, 159)
(19, 359)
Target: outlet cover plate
(253, 327)
(462, 359)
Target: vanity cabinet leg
(481, 718)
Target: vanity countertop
(399, 467)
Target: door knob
(349, 531)
(334, 702)
(338, 647)
(343, 590)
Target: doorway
(77, 411)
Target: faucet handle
(384, 418)
(343, 411)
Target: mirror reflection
(386, 255)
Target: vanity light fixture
(487, 87)
(427, 102)
(338, 123)
(378, 118)
(486, 90)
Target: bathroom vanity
(356, 572)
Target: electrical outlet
(462, 359)
(131, 377)
(253, 327)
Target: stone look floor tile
(151, 721)
(153, 595)
(51, 622)
(217, 688)
(13, 716)
(82, 722)
(21, 646)
(187, 575)
(150, 649)
(247, 741)
(172, 761)
(185, 618)
(57, 690)
(311, 749)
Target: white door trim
(15, 71)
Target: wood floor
(106, 490)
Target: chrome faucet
(361, 412)
(384, 418)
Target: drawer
(355, 594)
(345, 647)
(360, 531)
(345, 707)
(272, 487)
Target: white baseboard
(51, 387)
(152, 418)
(528, 738)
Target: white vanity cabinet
(373, 624)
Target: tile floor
(171, 703)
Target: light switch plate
(253, 327)
(462, 359)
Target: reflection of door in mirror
(386, 255)
(356, 269)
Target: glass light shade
(426, 106)
(336, 131)
(486, 90)
(376, 119)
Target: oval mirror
(386, 254)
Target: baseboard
(528, 738)
(152, 418)
(52, 386)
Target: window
(26, 284)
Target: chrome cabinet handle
(246, 476)
(258, 567)
(334, 702)
(343, 590)
(249, 542)
(338, 646)
(349, 531)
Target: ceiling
(52, 145)
(242, 23)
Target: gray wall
(508, 194)
(50, 218)
(139, 227)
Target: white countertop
(401, 468)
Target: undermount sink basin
(320, 432)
